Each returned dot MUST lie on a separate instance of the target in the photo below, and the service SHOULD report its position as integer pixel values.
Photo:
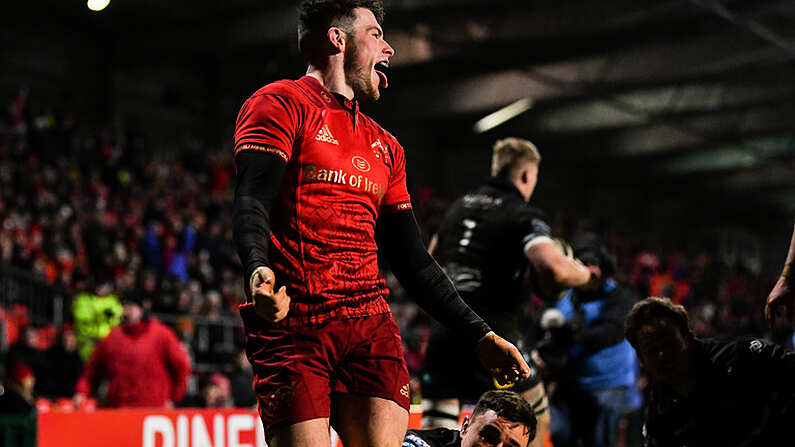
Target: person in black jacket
(64, 368)
(16, 394)
(500, 418)
(710, 392)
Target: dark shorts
(296, 369)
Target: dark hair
(590, 249)
(316, 16)
(652, 309)
(510, 406)
(134, 296)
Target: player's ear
(336, 37)
(524, 177)
(465, 425)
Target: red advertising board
(152, 428)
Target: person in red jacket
(142, 360)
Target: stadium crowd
(86, 211)
(97, 211)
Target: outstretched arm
(783, 293)
(424, 280)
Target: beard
(359, 76)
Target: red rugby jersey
(342, 171)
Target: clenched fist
(270, 306)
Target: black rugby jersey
(745, 397)
(481, 245)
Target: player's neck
(332, 77)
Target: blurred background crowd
(89, 216)
(665, 128)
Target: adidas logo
(325, 136)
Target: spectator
(64, 366)
(593, 392)
(17, 396)
(214, 392)
(142, 361)
(218, 392)
(26, 352)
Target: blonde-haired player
(487, 240)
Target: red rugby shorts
(296, 369)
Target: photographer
(585, 354)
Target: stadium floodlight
(97, 5)
(502, 115)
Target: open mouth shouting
(380, 69)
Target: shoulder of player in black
(503, 188)
(743, 353)
(435, 437)
(722, 350)
(499, 192)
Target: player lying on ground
(500, 419)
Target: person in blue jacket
(597, 384)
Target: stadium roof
(695, 95)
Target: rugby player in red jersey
(318, 183)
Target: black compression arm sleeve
(259, 176)
(423, 279)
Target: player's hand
(782, 295)
(502, 359)
(270, 306)
(594, 278)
